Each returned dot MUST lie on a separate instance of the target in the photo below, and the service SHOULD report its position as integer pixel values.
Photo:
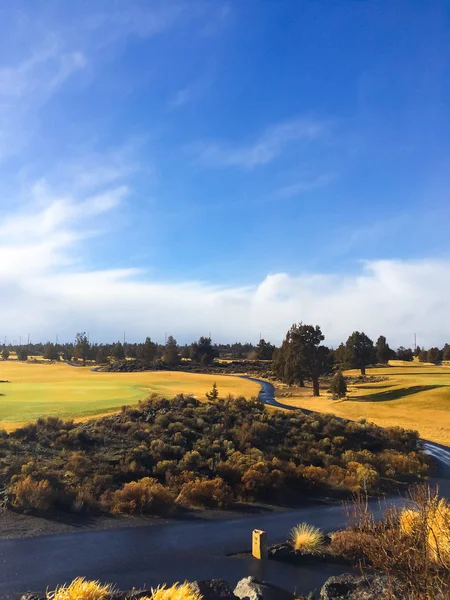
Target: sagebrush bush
(271, 457)
(145, 496)
(28, 493)
(81, 589)
(211, 493)
(307, 539)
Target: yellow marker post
(259, 544)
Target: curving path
(439, 452)
(178, 550)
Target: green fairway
(36, 390)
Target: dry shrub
(434, 523)
(411, 547)
(349, 543)
(145, 496)
(81, 589)
(213, 493)
(307, 539)
(28, 493)
(178, 591)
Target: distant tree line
(301, 357)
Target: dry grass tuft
(307, 539)
(81, 589)
(408, 521)
(178, 591)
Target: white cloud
(264, 149)
(45, 288)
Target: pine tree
(118, 351)
(170, 354)
(82, 347)
(214, 393)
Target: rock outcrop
(250, 588)
(214, 589)
(354, 587)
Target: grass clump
(178, 591)
(307, 539)
(81, 589)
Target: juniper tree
(338, 385)
(361, 351)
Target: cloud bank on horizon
(158, 174)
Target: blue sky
(224, 166)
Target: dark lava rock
(32, 596)
(214, 589)
(280, 551)
(250, 588)
(353, 587)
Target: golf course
(407, 394)
(29, 391)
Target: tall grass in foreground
(178, 591)
(307, 539)
(81, 589)
(410, 546)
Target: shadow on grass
(419, 373)
(363, 386)
(397, 393)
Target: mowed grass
(415, 396)
(44, 389)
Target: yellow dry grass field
(414, 396)
(29, 391)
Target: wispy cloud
(190, 93)
(305, 185)
(139, 20)
(42, 71)
(264, 149)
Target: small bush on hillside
(145, 496)
(211, 493)
(81, 589)
(28, 493)
(307, 539)
(338, 386)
